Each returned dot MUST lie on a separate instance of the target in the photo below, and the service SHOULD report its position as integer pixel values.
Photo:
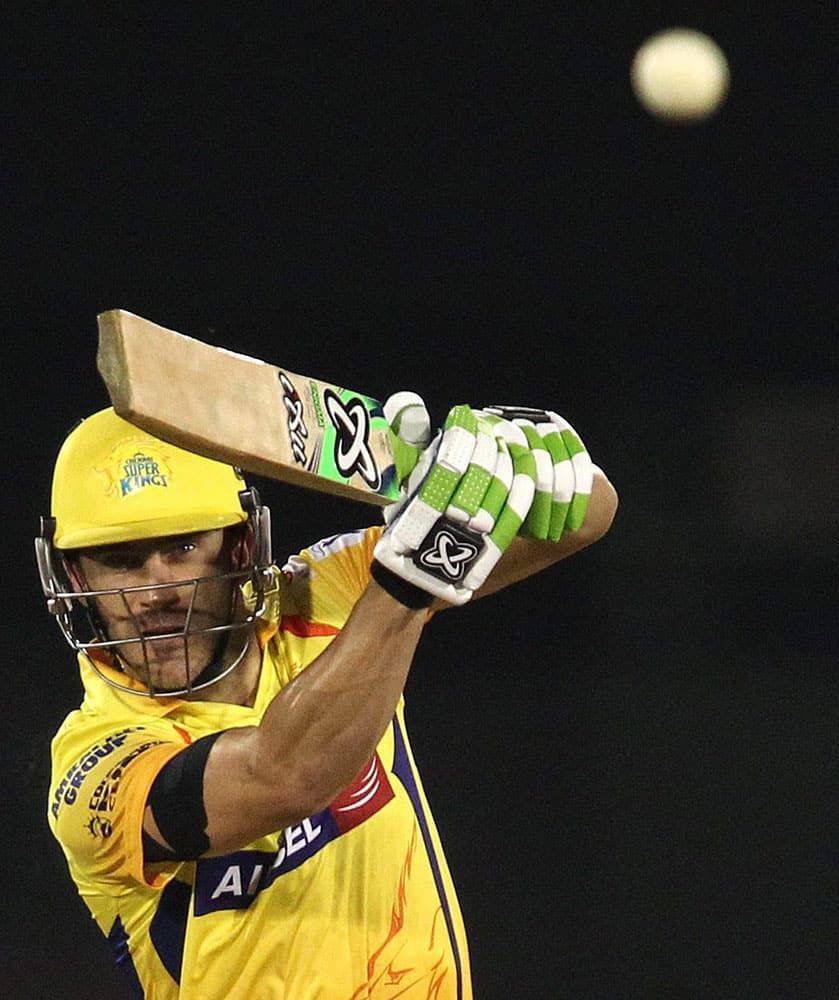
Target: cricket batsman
(236, 796)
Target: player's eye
(183, 546)
(120, 562)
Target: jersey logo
(68, 788)
(366, 796)
(352, 439)
(232, 881)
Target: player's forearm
(330, 718)
(324, 726)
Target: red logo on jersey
(366, 795)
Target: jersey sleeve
(98, 797)
(331, 575)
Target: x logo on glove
(447, 552)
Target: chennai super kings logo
(127, 474)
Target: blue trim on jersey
(118, 940)
(402, 770)
(168, 926)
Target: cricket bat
(249, 413)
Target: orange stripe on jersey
(305, 629)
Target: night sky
(632, 757)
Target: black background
(632, 757)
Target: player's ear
(241, 552)
(74, 574)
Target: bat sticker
(352, 438)
(296, 421)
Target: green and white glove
(565, 473)
(465, 501)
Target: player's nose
(158, 577)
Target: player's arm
(324, 726)
(314, 738)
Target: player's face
(160, 609)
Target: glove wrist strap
(406, 593)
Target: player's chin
(169, 664)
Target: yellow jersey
(353, 903)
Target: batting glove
(465, 501)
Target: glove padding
(465, 501)
(564, 475)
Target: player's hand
(564, 473)
(464, 503)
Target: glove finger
(583, 472)
(410, 432)
(408, 417)
(538, 521)
(510, 518)
(506, 433)
(432, 497)
(519, 499)
(496, 493)
(418, 473)
(523, 486)
(472, 488)
(563, 475)
(457, 445)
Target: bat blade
(246, 412)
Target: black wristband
(406, 593)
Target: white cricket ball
(680, 75)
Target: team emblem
(135, 465)
(352, 439)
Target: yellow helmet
(116, 483)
